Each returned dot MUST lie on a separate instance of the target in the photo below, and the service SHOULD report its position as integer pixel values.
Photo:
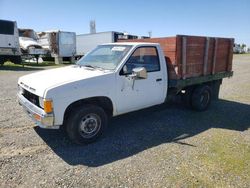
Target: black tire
(216, 89)
(201, 98)
(17, 60)
(48, 58)
(2, 60)
(86, 124)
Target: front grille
(31, 97)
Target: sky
(218, 18)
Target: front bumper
(37, 114)
(37, 51)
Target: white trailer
(9, 43)
(60, 44)
(87, 42)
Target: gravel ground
(164, 146)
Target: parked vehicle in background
(9, 42)
(240, 49)
(118, 78)
(60, 44)
(29, 44)
(87, 42)
(237, 49)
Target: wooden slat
(215, 54)
(184, 57)
(206, 56)
(230, 55)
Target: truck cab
(142, 78)
(112, 79)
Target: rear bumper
(37, 114)
(9, 51)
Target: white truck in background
(60, 44)
(9, 42)
(16, 44)
(87, 42)
(240, 49)
(29, 44)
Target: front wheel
(86, 124)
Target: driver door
(133, 93)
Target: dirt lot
(165, 146)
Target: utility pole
(150, 34)
(92, 26)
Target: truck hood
(26, 42)
(39, 82)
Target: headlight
(41, 102)
(46, 104)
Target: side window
(146, 57)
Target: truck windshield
(105, 56)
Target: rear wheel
(201, 98)
(86, 124)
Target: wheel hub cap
(89, 125)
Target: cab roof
(132, 43)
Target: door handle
(158, 79)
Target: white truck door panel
(143, 92)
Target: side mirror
(140, 73)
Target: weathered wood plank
(230, 55)
(214, 55)
(184, 57)
(206, 56)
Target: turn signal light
(37, 117)
(48, 106)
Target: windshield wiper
(93, 67)
(90, 66)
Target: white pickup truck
(112, 79)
